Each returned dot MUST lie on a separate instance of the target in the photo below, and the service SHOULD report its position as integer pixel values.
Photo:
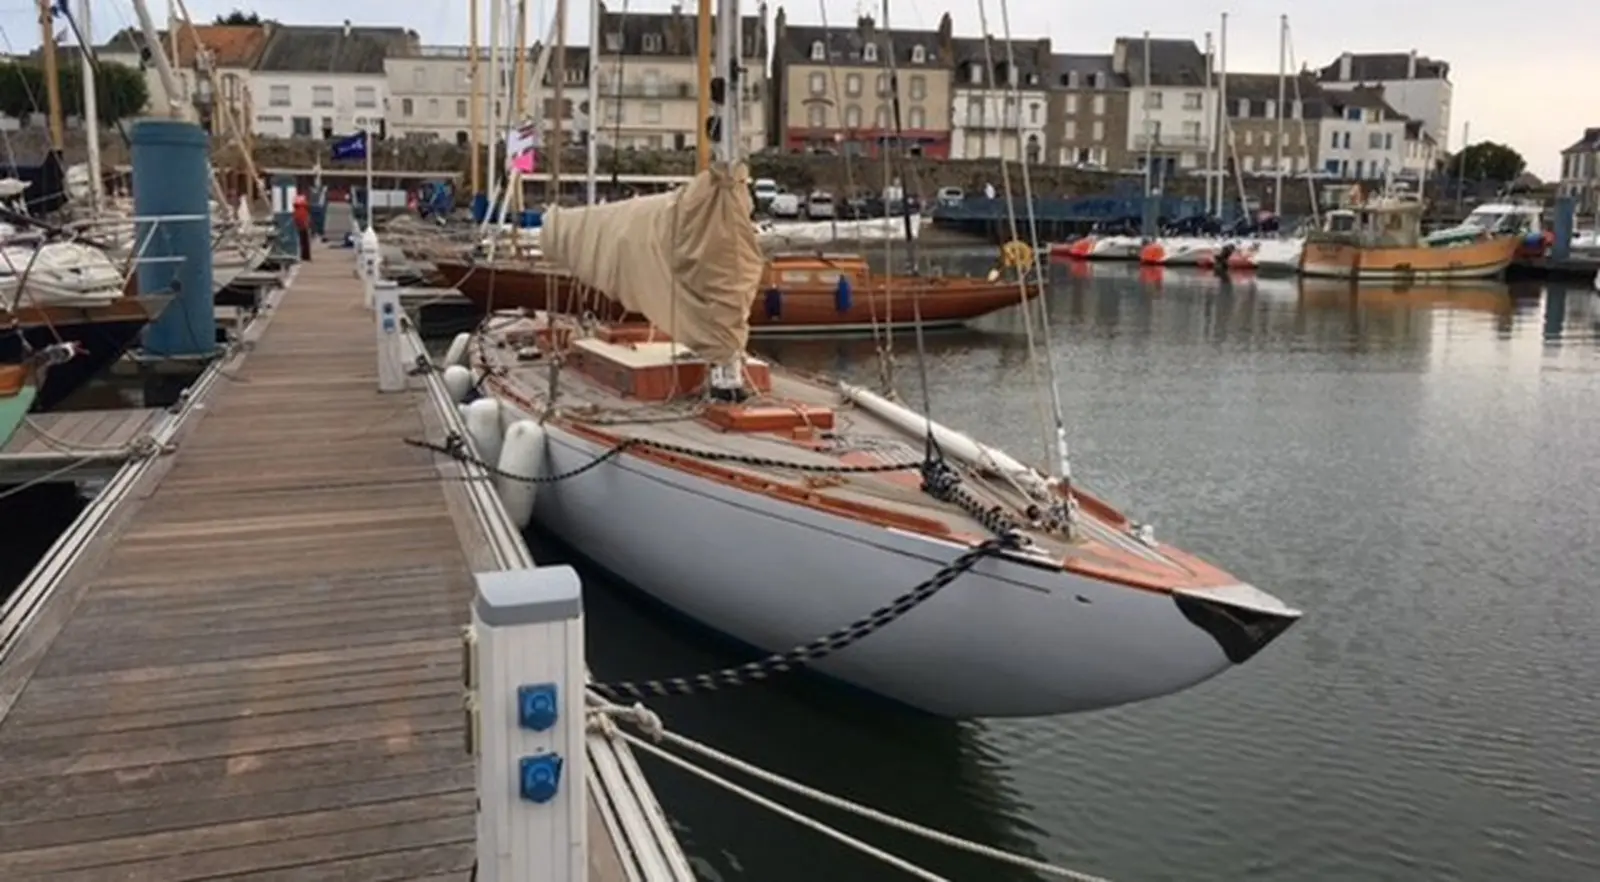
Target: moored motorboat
(776, 508)
(1380, 239)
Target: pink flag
(524, 164)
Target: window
(881, 118)
(1353, 114)
(1193, 100)
(301, 126)
(1242, 108)
(1331, 166)
(819, 83)
(918, 119)
(869, 53)
(650, 42)
(919, 87)
(1099, 131)
(814, 116)
(614, 42)
(919, 55)
(852, 84)
(1249, 138)
(1034, 149)
(974, 113)
(1033, 114)
(1335, 143)
(1070, 104)
(406, 108)
(433, 108)
(366, 96)
(1099, 105)
(975, 74)
(1069, 130)
(1374, 140)
(278, 96)
(461, 78)
(1271, 109)
(613, 111)
(651, 113)
(1096, 81)
(1191, 132)
(1152, 100)
(419, 78)
(818, 53)
(321, 96)
(1388, 141)
(883, 85)
(1347, 140)
(852, 117)
(461, 108)
(652, 83)
(1266, 139)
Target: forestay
(687, 260)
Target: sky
(1529, 81)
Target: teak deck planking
(81, 430)
(257, 673)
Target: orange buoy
(1153, 254)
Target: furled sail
(686, 260)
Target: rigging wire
(930, 443)
(1062, 451)
(1305, 140)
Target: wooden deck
(80, 444)
(256, 674)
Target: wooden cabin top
(1383, 221)
(814, 269)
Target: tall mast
(1283, 72)
(590, 141)
(519, 92)
(558, 94)
(702, 48)
(1210, 128)
(91, 102)
(728, 61)
(1149, 133)
(1225, 131)
(491, 101)
(475, 84)
(52, 79)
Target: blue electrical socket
(537, 706)
(539, 777)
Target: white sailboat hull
(1009, 638)
(799, 234)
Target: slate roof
(1172, 62)
(1063, 66)
(1382, 66)
(1589, 143)
(1032, 58)
(623, 33)
(845, 45)
(233, 46)
(333, 49)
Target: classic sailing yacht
(775, 507)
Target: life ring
(1016, 254)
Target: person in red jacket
(302, 225)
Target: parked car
(819, 205)
(951, 195)
(764, 190)
(786, 205)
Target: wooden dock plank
(259, 676)
(81, 429)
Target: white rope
(650, 724)
(600, 720)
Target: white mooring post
(391, 346)
(369, 262)
(525, 680)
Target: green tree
(121, 90)
(1487, 161)
(240, 17)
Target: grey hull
(1010, 638)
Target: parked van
(764, 190)
(784, 205)
(820, 205)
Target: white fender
(457, 381)
(457, 353)
(522, 454)
(483, 427)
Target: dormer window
(651, 42)
(1070, 80)
(975, 74)
(817, 52)
(614, 41)
(1032, 79)
(919, 55)
(1095, 81)
(869, 53)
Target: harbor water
(1418, 470)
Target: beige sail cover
(686, 260)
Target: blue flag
(351, 147)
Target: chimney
(946, 30)
(677, 9)
(1345, 60)
(1411, 66)
(864, 24)
(347, 27)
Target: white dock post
(526, 656)
(391, 346)
(369, 262)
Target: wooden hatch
(659, 370)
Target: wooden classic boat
(101, 332)
(1380, 239)
(775, 507)
(801, 293)
(21, 380)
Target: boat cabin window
(1499, 222)
(1341, 222)
(798, 277)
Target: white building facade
(429, 93)
(323, 82)
(1172, 112)
(1417, 86)
(1362, 138)
(999, 109)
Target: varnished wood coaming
(1104, 551)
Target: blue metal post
(283, 190)
(171, 177)
(1561, 226)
